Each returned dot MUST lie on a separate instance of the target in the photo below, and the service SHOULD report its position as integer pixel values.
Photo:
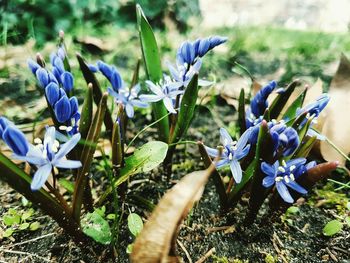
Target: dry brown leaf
(156, 242)
(337, 126)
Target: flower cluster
(57, 84)
(188, 63)
(46, 155)
(128, 98)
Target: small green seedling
(135, 226)
(19, 220)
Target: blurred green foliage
(41, 20)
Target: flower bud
(33, 66)
(105, 69)
(63, 109)
(52, 92)
(3, 125)
(67, 81)
(16, 140)
(73, 105)
(42, 76)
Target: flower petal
(243, 140)
(154, 88)
(295, 186)
(68, 164)
(268, 181)
(236, 171)
(41, 176)
(211, 151)
(284, 193)
(169, 105)
(268, 169)
(225, 137)
(150, 97)
(222, 163)
(129, 110)
(67, 147)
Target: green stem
(144, 129)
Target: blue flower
(182, 76)
(33, 66)
(63, 109)
(313, 110)
(285, 139)
(15, 139)
(129, 99)
(202, 46)
(52, 92)
(285, 174)
(112, 74)
(4, 122)
(48, 155)
(188, 52)
(42, 76)
(165, 92)
(259, 104)
(233, 152)
(67, 81)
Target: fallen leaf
(157, 240)
(336, 126)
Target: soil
(298, 240)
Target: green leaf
(66, 184)
(153, 68)
(96, 227)
(11, 220)
(23, 226)
(348, 206)
(281, 100)
(347, 220)
(101, 211)
(333, 227)
(292, 109)
(87, 156)
(144, 159)
(34, 226)
(305, 147)
(111, 216)
(241, 112)
(97, 92)
(292, 210)
(187, 108)
(135, 224)
(8, 232)
(27, 214)
(86, 112)
(129, 248)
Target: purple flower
(284, 174)
(233, 152)
(48, 155)
(67, 81)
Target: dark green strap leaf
(153, 68)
